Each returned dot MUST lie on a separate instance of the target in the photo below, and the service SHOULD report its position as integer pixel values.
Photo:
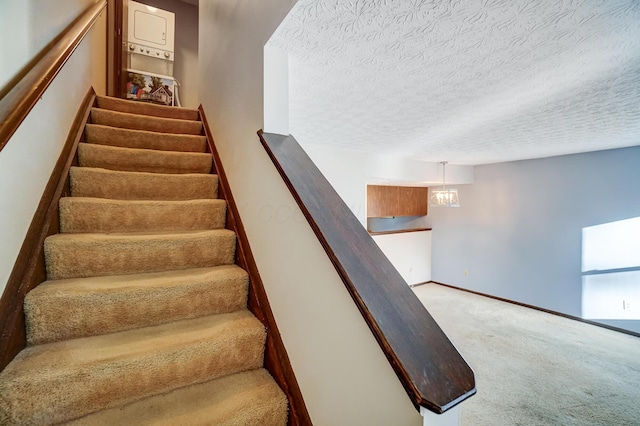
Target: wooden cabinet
(382, 201)
(388, 201)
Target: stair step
(61, 381)
(247, 398)
(83, 214)
(102, 183)
(145, 108)
(144, 122)
(90, 255)
(142, 160)
(66, 309)
(127, 138)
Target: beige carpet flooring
(534, 368)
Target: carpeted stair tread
(247, 398)
(145, 108)
(66, 309)
(103, 183)
(143, 319)
(142, 160)
(127, 138)
(65, 380)
(85, 214)
(88, 255)
(145, 122)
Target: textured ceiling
(471, 82)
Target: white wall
(185, 68)
(27, 26)
(342, 372)
(276, 91)
(389, 170)
(346, 170)
(409, 253)
(27, 161)
(14, 50)
(349, 172)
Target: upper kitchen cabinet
(389, 201)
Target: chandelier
(444, 197)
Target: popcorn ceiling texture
(468, 82)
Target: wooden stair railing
(17, 99)
(433, 373)
(20, 94)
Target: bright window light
(611, 296)
(612, 245)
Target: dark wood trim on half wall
(399, 231)
(29, 270)
(276, 359)
(115, 48)
(537, 308)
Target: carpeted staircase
(143, 319)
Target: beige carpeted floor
(534, 368)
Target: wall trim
(537, 308)
(29, 269)
(276, 359)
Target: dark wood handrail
(429, 367)
(20, 95)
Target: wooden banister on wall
(17, 99)
(20, 95)
(29, 269)
(429, 367)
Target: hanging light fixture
(444, 197)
